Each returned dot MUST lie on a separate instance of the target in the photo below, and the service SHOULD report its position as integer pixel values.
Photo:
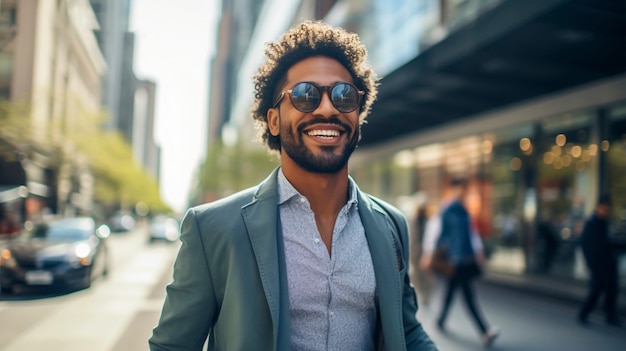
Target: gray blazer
(230, 277)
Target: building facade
(50, 79)
(145, 149)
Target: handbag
(440, 263)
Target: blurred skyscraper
(122, 90)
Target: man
(602, 264)
(454, 231)
(305, 260)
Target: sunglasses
(307, 96)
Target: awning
(517, 51)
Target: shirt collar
(286, 191)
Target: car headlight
(81, 255)
(7, 259)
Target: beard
(326, 161)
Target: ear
(273, 121)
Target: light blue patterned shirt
(331, 298)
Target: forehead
(319, 69)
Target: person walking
(423, 280)
(453, 231)
(602, 263)
(305, 260)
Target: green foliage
(119, 179)
(228, 169)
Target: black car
(69, 252)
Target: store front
(531, 185)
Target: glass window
(567, 189)
(507, 151)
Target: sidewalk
(549, 286)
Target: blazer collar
(262, 223)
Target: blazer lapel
(382, 245)
(261, 220)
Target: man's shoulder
(265, 189)
(384, 205)
(236, 200)
(393, 212)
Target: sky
(174, 42)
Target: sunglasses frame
(322, 89)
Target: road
(118, 313)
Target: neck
(326, 192)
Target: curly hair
(307, 39)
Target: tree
(119, 179)
(228, 169)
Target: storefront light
(516, 164)
(586, 156)
(558, 163)
(556, 150)
(487, 147)
(567, 160)
(404, 159)
(561, 139)
(593, 150)
(605, 145)
(525, 144)
(576, 151)
(548, 158)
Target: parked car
(69, 252)
(163, 228)
(121, 222)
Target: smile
(324, 133)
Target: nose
(326, 107)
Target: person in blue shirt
(453, 230)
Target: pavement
(528, 321)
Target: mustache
(331, 120)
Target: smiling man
(305, 260)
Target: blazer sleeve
(190, 305)
(415, 335)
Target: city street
(118, 313)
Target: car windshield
(62, 231)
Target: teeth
(324, 133)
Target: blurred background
(118, 109)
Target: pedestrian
(423, 280)
(602, 263)
(305, 260)
(453, 230)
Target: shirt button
(317, 241)
(302, 199)
(332, 313)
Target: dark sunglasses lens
(345, 97)
(305, 97)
